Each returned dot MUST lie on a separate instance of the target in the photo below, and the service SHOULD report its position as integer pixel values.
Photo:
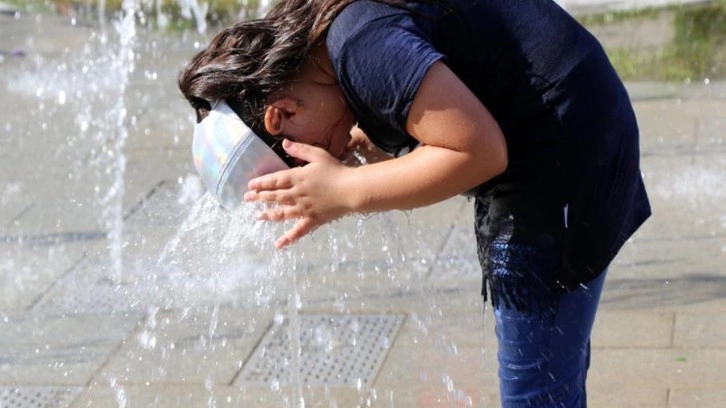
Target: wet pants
(544, 353)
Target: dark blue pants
(543, 330)
(544, 354)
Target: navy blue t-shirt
(571, 134)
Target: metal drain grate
(100, 296)
(335, 350)
(37, 397)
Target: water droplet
(279, 318)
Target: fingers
(357, 138)
(274, 181)
(283, 197)
(284, 179)
(289, 189)
(281, 213)
(301, 228)
(305, 152)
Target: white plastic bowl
(228, 154)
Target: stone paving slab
(458, 258)
(638, 395)
(153, 337)
(634, 368)
(633, 329)
(670, 125)
(690, 187)
(697, 293)
(12, 205)
(695, 397)
(96, 287)
(671, 259)
(439, 353)
(174, 396)
(700, 330)
(193, 349)
(28, 271)
(52, 349)
(397, 235)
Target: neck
(319, 67)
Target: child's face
(311, 110)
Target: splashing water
(192, 9)
(112, 202)
(213, 259)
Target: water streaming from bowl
(210, 259)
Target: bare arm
(462, 147)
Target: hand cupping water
(313, 194)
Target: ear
(273, 120)
(278, 112)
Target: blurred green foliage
(220, 12)
(696, 52)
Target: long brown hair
(249, 60)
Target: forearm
(462, 146)
(425, 176)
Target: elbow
(493, 148)
(501, 164)
(490, 161)
(500, 159)
(488, 165)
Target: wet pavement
(148, 296)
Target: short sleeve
(380, 63)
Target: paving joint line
(672, 340)
(51, 286)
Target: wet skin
(313, 111)
(461, 146)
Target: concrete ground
(141, 293)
